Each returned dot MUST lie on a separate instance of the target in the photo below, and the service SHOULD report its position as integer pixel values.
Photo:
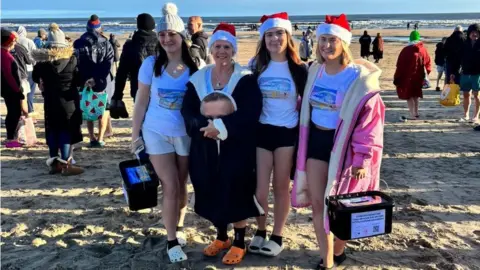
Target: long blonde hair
(345, 59)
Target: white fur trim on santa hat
(333, 29)
(223, 35)
(275, 22)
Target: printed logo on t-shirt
(171, 99)
(324, 98)
(274, 87)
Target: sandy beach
(431, 167)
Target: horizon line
(252, 16)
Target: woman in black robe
(223, 149)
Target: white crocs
(256, 244)
(271, 249)
(181, 238)
(176, 254)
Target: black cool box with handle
(141, 194)
(360, 215)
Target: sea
(364, 21)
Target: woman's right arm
(141, 102)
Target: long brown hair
(297, 68)
(162, 59)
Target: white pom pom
(170, 8)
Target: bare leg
(466, 104)
(415, 107)
(439, 77)
(166, 169)
(476, 98)
(103, 123)
(182, 164)
(281, 187)
(317, 176)
(264, 170)
(91, 132)
(339, 247)
(411, 107)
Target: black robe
(225, 182)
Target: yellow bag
(450, 95)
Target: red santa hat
(337, 26)
(275, 20)
(226, 32)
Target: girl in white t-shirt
(281, 78)
(162, 83)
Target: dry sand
(432, 167)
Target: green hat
(414, 36)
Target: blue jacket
(95, 57)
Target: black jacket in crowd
(440, 54)
(57, 73)
(23, 59)
(142, 45)
(471, 54)
(200, 41)
(453, 50)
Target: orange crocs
(216, 247)
(234, 256)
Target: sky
(130, 8)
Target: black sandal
(338, 260)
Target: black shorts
(320, 143)
(272, 137)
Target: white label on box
(368, 223)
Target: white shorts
(158, 144)
(440, 69)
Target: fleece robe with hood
(412, 64)
(358, 140)
(223, 172)
(57, 68)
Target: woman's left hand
(210, 131)
(359, 173)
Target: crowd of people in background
(227, 126)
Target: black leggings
(14, 111)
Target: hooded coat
(56, 68)
(223, 175)
(24, 41)
(358, 140)
(412, 64)
(471, 53)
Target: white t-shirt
(327, 96)
(279, 96)
(166, 97)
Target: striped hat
(94, 23)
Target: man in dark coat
(144, 43)
(453, 53)
(199, 37)
(95, 58)
(440, 61)
(470, 79)
(365, 42)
